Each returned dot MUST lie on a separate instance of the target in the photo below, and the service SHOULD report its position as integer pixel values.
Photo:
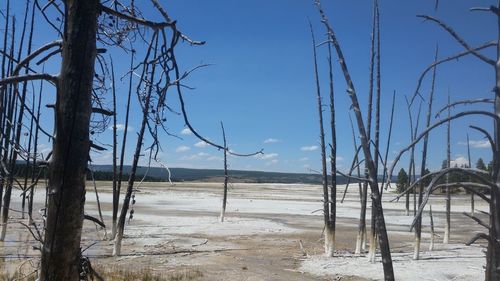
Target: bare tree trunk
(362, 222)
(116, 200)
(9, 120)
(431, 244)
(371, 239)
(30, 41)
(412, 177)
(226, 176)
(412, 160)
(116, 195)
(376, 23)
(493, 250)
(126, 202)
(326, 211)
(446, 238)
(380, 221)
(470, 179)
(71, 144)
(35, 153)
(333, 161)
(361, 237)
(418, 225)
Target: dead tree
(446, 237)
(329, 232)
(365, 143)
(470, 166)
(73, 108)
(333, 157)
(71, 145)
(411, 168)
(226, 177)
(490, 182)
(431, 244)
(361, 237)
(373, 232)
(115, 148)
(418, 226)
(118, 178)
(368, 131)
(147, 93)
(227, 151)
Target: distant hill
(105, 172)
(211, 175)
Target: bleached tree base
(221, 216)
(113, 232)
(3, 232)
(329, 242)
(360, 243)
(446, 238)
(117, 247)
(416, 248)
(373, 247)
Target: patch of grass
(16, 276)
(10, 275)
(148, 275)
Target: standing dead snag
(489, 181)
(116, 193)
(380, 221)
(226, 177)
(329, 232)
(227, 151)
(67, 170)
(447, 226)
(333, 157)
(470, 166)
(431, 244)
(418, 226)
(114, 147)
(148, 77)
(362, 223)
(373, 232)
(73, 108)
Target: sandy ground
(177, 228)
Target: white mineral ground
(176, 227)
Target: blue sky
(261, 82)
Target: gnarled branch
(458, 38)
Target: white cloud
(182, 148)
(303, 159)
(476, 143)
(186, 131)
(309, 148)
(272, 162)
(340, 158)
(269, 156)
(215, 158)
(121, 128)
(459, 161)
(201, 156)
(102, 158)
(201, 144)
(271, 140)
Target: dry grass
(16, 276)
(148, 275)
(19, 274)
